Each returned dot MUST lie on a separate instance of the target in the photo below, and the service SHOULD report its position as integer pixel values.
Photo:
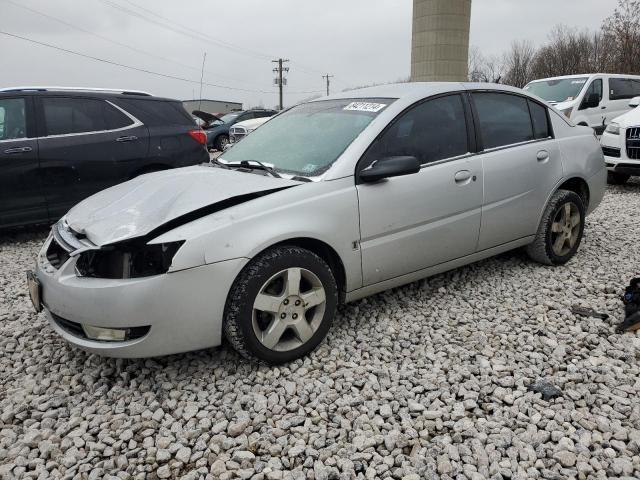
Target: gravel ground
(425, 381)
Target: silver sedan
(329, 202)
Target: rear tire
(616, 178)
(281, 305)
(561, 228)
(221, 142)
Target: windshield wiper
(218, 163)
(259, 166)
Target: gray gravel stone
(425, 381)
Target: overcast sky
(358, 41)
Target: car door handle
(542, 156)
(131, 138)
(10, 151)
(603, 107)
(462, 177)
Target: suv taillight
(199, 136)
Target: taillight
(199, 136)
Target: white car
(331, 201)
(242, 129)
(621, 145)
(590, 99)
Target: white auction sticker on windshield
(365, 107)
(579, 82)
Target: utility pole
(280, 80)
(327, 76)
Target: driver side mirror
(634, 102)
(390, 167)
(591, 101)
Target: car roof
(582, 75)
(80, 92)
(416, 90)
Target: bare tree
(484, 69)
(623, 31)
(518, 62)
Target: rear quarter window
(158, 112)
(540, 120)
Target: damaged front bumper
(138, 317)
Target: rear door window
(65, 115)
(13, 120)
(504, 119)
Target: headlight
(613, 129)
(129, 260)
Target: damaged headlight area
(128, 260)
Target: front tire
(281, 306)
(560, 231)
(616, 178)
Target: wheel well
(155, 167)
(579, 187)
(328, 254)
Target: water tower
(440, 42)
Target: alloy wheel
(565, 229)
(288, 309)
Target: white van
(592, 99)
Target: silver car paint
(137, 207)
(410, 223)
(329, 210)
(184, 309)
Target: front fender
(326, 211)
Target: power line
(186, 30)
(130, 67)
(115, 42)
(183, 30)
(137, 69)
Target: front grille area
(238, 133)
(68, 326)
(633, 143)
(76, 330)
(57, 255)
(611, 152)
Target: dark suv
(58, 146)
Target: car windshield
(229, 117)
(559, 90)
(308, 138)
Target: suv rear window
(504, 119)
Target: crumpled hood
(139, 206)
